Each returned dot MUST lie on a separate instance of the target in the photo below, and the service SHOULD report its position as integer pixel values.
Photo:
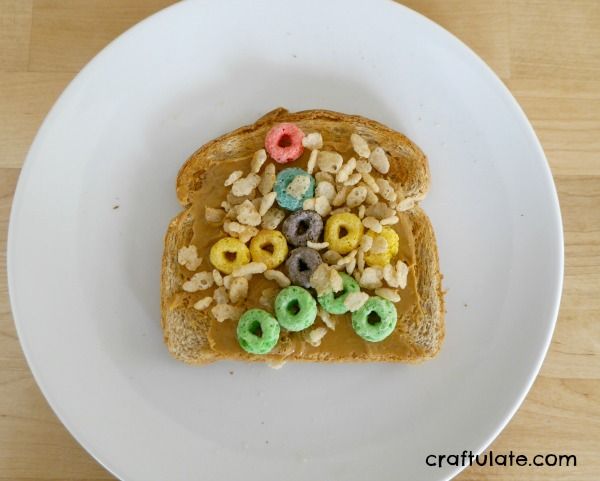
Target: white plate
(84, 277)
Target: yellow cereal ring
(269, 247)
(383, 258)
(343, 232)
(228, 254)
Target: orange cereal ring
(228, 254)
(269, 247)
(343, 232)
(383, 258)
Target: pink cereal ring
(284, 143)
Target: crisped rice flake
(203, 303)
(331, 257)
(354, 179)
(356, 196)
(314, 336)
(267, 181)
(245, 185)
(188, 257)
(379, 160)
(220, 295)
(224, 312)
(217, 277)
(258, 159)
(322, 206)
(387, 293)
(250, 269)
(391, 220)
(272, 218)
(312, 161)
(234, 176)
(199, 282)
(405, 204)
(279, 277)
(326, 189)
(326, 318)
(371, 278)
(238, 289)
(373, 224)
(363, 167)
(360, 146)
(345, 171)
(340, 197)
(329, 162)
(266, 203)
(355, 300)
(317, 245)
(298, 186)
(248, 215)
(313, 141)
(214, 216)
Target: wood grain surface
(548, 54)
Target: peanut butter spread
(342, 341)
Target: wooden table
(546, 51)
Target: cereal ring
(343, 232)
(301, 264)
(301, 188)
(284, 142)
(383, 258)
(295, 308)
(257, 331)
(302, 226)
(269, 247)
(228, 254)
(375, 320)
(334, 301)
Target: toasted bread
(185, 329)
(409, 169)
(420, 327)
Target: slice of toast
(195, 337)
(186, 329)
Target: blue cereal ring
(334, 301)
(375, 320)
(295, 308)
(257, 331)
(284, 179)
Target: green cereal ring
(291, 201)
(257, 331)
(295, 308)
(375, 320)
(334, 301)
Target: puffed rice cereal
(267, 181)
(360, 146)
(313, 141)
(238, 289)
(188, 257)
(379, 160)
(199, 282)
(223, 312)
(279, 277)
(258, 159)
(329, 161)
(355, 300)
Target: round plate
(98, 190)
